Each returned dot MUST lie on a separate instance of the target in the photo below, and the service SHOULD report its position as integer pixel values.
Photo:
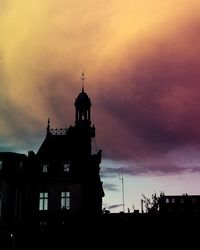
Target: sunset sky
(142, 66)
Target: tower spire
(82, 105)
(48, 126)
(83, 79)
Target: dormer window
(66, 166)
(45, 167)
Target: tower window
(43, 202)
(45, 167)
(1, 165)
(66, 166)
(65, 200)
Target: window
(66, 166)
(43, 226)
(65, 200)
(173, 200)
(43, 203)
(194, 200)
(167, 200)
(45, 167)
(1, 164)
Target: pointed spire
(48, 126)
(83, 79)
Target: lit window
(45, 167)
(167, 200)
(65, 200)
(1, 164)
(43, 203)
(66, 166)
(173, 200)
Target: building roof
(56, 146)
(82, 101)
(9, 155)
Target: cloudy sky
(141, 60)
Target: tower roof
(83, 101)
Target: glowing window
(66, 166)
(65, 200)
(45, 167)
(43, 202)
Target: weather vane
(83, 79)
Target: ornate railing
(58, 131)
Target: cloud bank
(142, 65)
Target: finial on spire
(48, 126)
(83, 79)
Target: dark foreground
(110, 231)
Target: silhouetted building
(179, 204)
(13, 198)
(42, 194)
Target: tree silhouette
(152, 204)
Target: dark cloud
(150, 168)
(152, 102)
(114, 206)
(194, 169)
(110, 187)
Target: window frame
(43, 201)
(167, 200)
(173, 200)
(65, 200)
(66, 165)
(45, 167)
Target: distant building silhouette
(179, 204)
(41, 193)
